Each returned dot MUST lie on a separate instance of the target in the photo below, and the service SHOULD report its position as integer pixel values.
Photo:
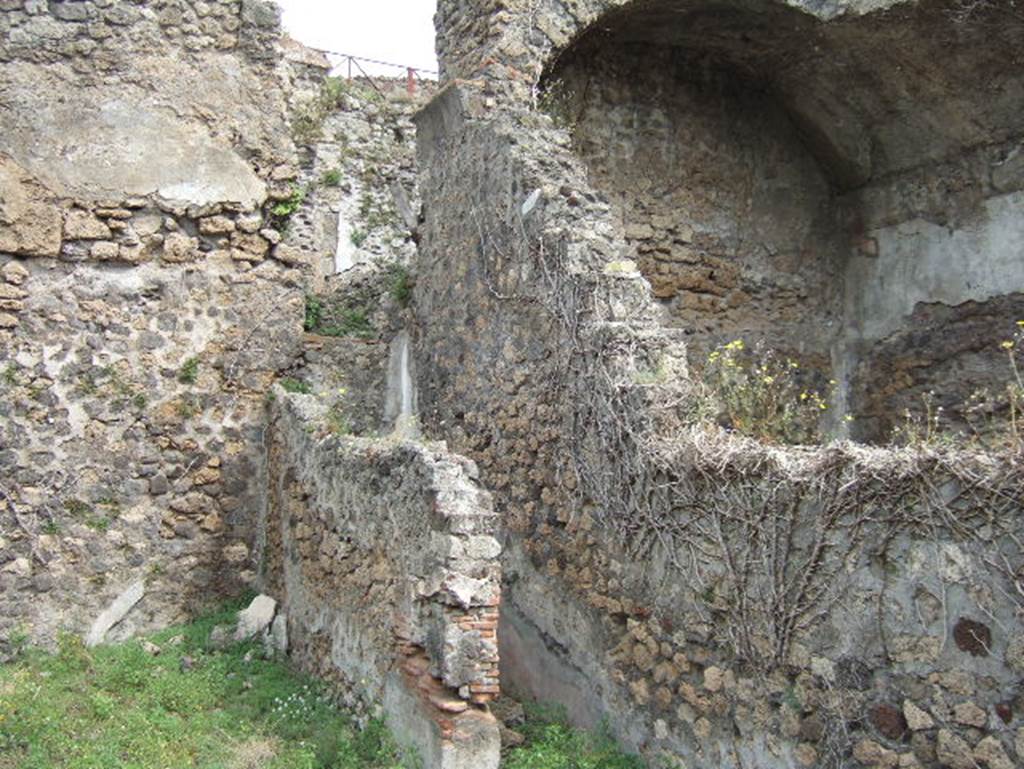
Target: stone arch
(804, 177)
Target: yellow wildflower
(1007, 345)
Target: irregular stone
(251, 244)
(956, 681)
(11, 293)
(8, 321)
(278, 639)
(870, 753)
(811, 728)
(970, 714)
(236, 553)
(81, 225)
(30, 224)
(639, 231)
(289, 254)
(105, 251)
(917, 719)
(973, 637)
(179, 247)
(510, 738)
(641, 694)
(806, 754)
(256, 617)
(990, 752)
(888, 720)
(220, 637)
(14, 273)
(71, 11)
(953, 752)
(216, 225)
(114, 613)
(713, 679)
(1015, 649)
(249, 223)
(21, 567)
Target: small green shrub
(331, 178)
(358, 236)
(17, 640)
(314, 313)
(295, 386)
(353, 323)
(189, 371)
(401, 283)
(281, 212)
(98, 523)
(308, 118)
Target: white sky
(396, 31)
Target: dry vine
(767, 536)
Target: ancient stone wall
(830, 188)
(158, 242)
(720, 603)
(728, 214)
(383, 554)
(145, 313)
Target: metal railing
(347, 62)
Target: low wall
(383, 555)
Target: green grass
(552, 744)
(118, 707)
(295, 386)
(189, 371)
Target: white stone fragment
(114, 613)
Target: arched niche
(815, 184)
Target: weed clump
(189, 371)
(295, 386)
(552, 744)
(759, 393)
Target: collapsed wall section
(383, 554)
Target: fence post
(410, 82)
